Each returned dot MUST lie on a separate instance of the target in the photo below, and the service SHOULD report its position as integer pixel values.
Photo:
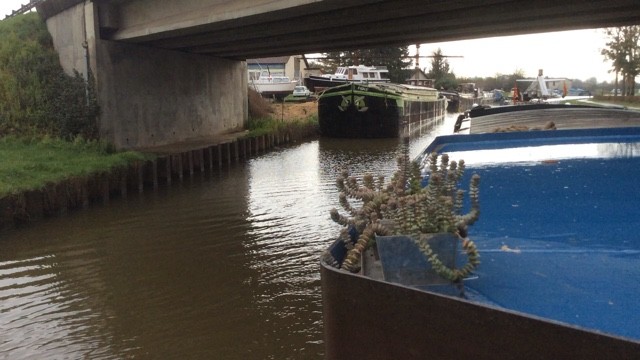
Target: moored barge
(378, 110)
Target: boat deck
(562, 118)
(559, 211)
(559, 246)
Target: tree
(440, 72)
(631, 47)
(623, 50)
(591, 84)
(396, 59)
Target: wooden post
(180, 170)
(210, 150)
(154, 165)
(168, 168)
(123, 185)
(104, 188)
(201, 159)
(140, 177)
(244, 149)
(190, 159)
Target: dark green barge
(378, 110)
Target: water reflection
(222, 266)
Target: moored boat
(377, 110)
(559, 248)
(348, 74)
(273, 85)
(453, 100)
(536, 116)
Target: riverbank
(630, 102)
(48, 177)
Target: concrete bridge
(168, 71)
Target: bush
(36, 96)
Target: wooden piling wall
(80, 192)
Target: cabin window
(372, 75)
(355, 72)
(365, 75)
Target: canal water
(220, 266)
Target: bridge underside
(169, 71)
(257, 28)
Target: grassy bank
(33, 164)
(270, 125)
(628, 101)
(278, 118)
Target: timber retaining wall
(99, 188)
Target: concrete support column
(149, 96)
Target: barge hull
(377, 111)
(370, 319)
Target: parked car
(301, 91)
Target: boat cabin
(359, 72)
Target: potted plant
(427, 216)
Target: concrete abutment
(148, 96)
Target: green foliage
(623, 50)
(441, 73)
(396, 59)
(36, 96)
(32, 163)
(270, 125)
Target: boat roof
(510, 140)
(382, 87)
(537, 116)
(370, 68)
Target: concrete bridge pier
(148, 96)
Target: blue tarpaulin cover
(558, 234)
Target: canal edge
(80, 192)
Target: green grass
(632, 102)
(28, 164)
(259, 127)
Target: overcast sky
(570, 54)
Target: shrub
(36, 96)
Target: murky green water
(221, 266)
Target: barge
(559, 246)
(378, 110)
